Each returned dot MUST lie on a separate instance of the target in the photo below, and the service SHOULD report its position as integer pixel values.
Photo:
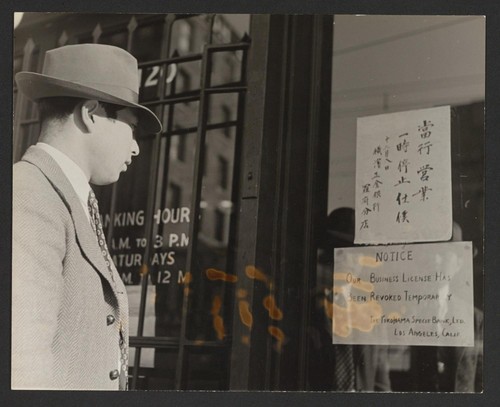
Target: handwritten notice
(403, 177)
(404, 295)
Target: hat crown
(90, 71)
(94, 64)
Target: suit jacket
(66, 310)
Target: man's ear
(85, 114)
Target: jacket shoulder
(25, 174)
(31, 187)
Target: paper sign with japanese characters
(403, 295)
(403, 177)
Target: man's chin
(103, 182)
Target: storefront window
(383, 65)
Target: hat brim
(37, 86)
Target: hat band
(117, 91)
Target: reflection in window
(200, 367)
(18, 63)
(174, 196)
(147, 40)
(185, 115)
(183, 83)
(146, 46)
(184, 36)
(203, 218)
(221, 31)
(219, 225)
(226, 68)
(226, 117)
(183, 77)
(178, 148)
(223, 172)
(206, 161)
(118, 39)
(86, 40)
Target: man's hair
(59, 108)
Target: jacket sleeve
(38, 241)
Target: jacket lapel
(84, 233)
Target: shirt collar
(71, 170)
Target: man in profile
(69, 305)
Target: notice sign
(403, 177)
(404, 295)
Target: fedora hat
(90, 71)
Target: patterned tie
(344, 368)
(95, 221)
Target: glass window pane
(146, 46)
(150, 77)
(230, 28)
(212, 286)
(18, 63)
(178, 147)
(172, 217)
(199, 32)
(183, 77)
(226, 67)
(412, 65)
(147, 40)
(182, 37)
(34, 60)
(118, 38)
(157, 369)
(185, 115)
(223, 109)
(200, 372)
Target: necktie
(95, 221)
(344, 368)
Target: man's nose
(135, 148)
